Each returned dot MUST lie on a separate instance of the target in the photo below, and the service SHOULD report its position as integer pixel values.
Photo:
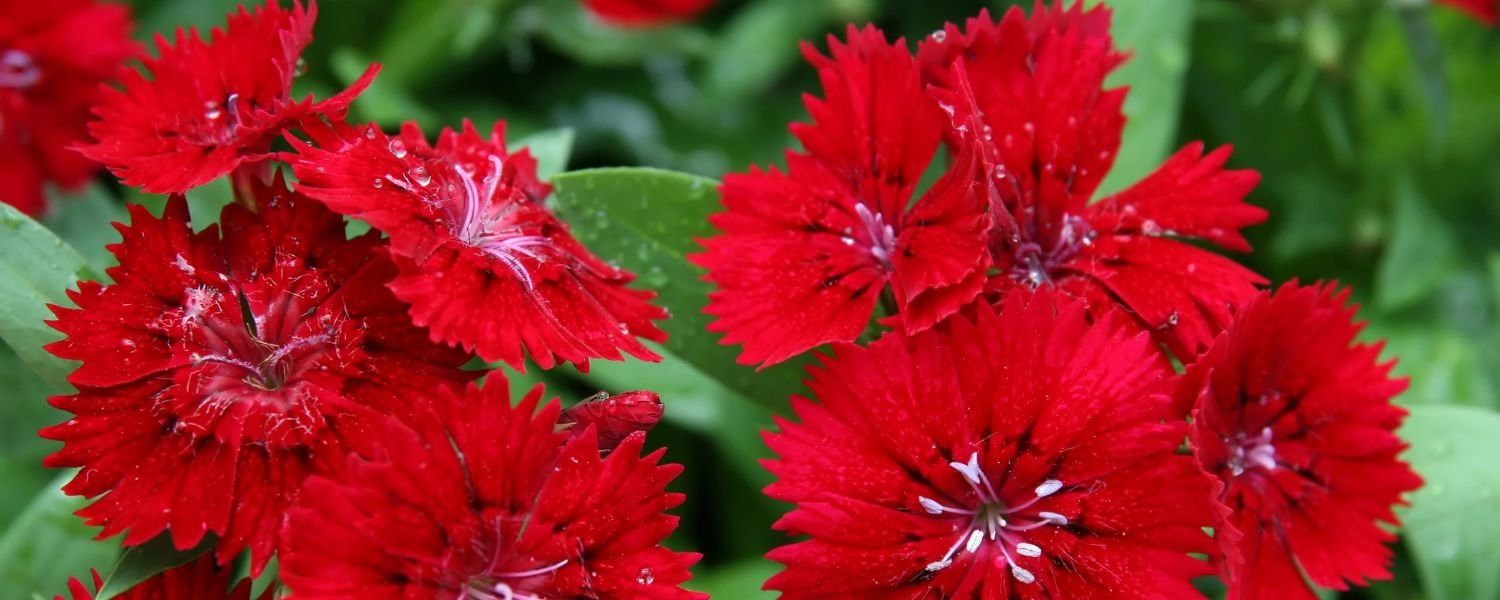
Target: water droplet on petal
(379, 183)
(398, 148)
(370, 132)
(420, 175)
(645, 577)
(939, 36)
(212, 111)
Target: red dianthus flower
(804, 255)
(53, 57)
(217, 373)
(1295, 419)
(1486, 11)
(483, 262)
(210, 106)
(1024, 455)
(202, 579)
(645, 13)
(1049, 134)
(489, 501)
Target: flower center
(503, 586)
(18, 70)
(238, 352)
(1246, 452)
(993, 524)
(1034, 264)
(879, 236)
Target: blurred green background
(1376, 126)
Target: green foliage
(1453, 526)
(646, 220)
(46, 545)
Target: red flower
(1022, 455)
(217, 373)
(1486, 11)
(53, 57)
(1050, 133)
(483, 262)
(210, 106)
(805, 254)
(201, 579)
(613, 418)
(645, 13)
(489, 502)
(1295, 419)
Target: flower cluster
(250, 388)
(1020, 430)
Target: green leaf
(1452, 527)
(85, 221)
(550, 147)
(646, 220)
(36, 267)
(386, 101)
(1421, 254)
(143, 562)
(740, 580)
(1157, 35)
(47, 544)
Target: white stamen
(1048, 488)
(970, 471)
(976, 537)
(939, 565)
(1053, 518)
(930, 505)
(1022, 575)
(1026, 549)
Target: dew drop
(1150, 227)
(420, 175)
(398, 148)
(645, 577)
(212, 111)
(379, 183)
(370, 132)
(939, 36)
(300, 69)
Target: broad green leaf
(1156, 32)
(23, 411)
(1421, 254)
(1453, 526)
(550, 147)
(47, 545)
(36, 268)
(85, 220)
(142, 562)
(646, 220)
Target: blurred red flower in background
(54, 56)
(645, 13)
